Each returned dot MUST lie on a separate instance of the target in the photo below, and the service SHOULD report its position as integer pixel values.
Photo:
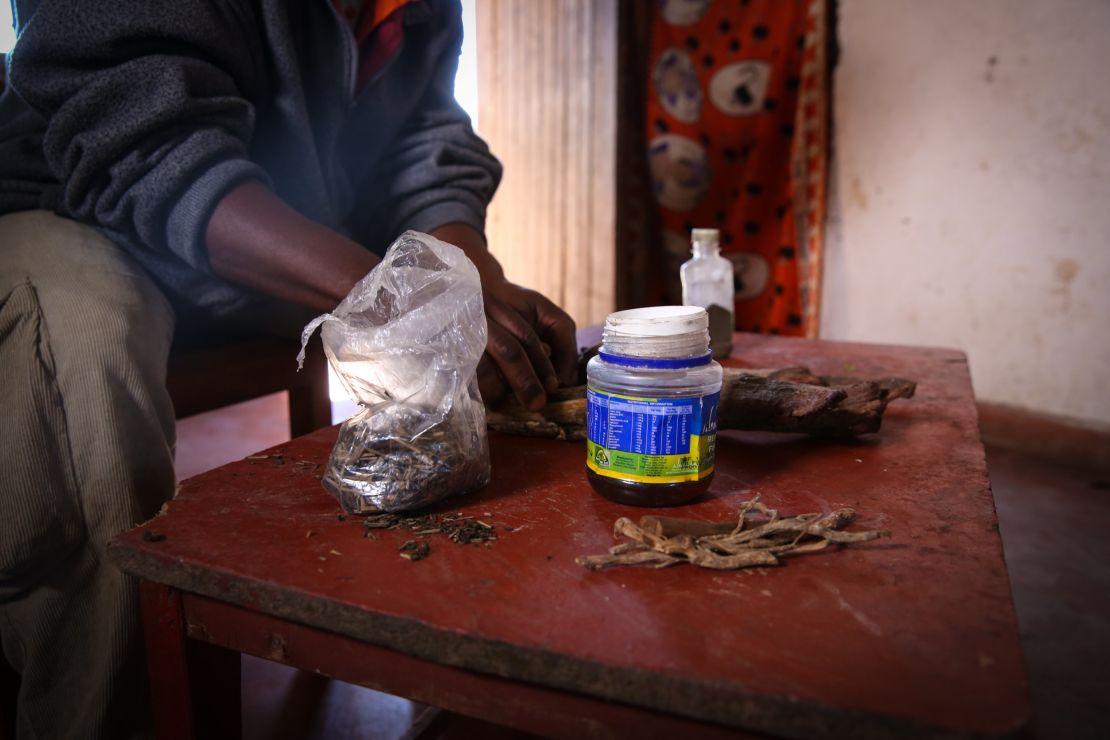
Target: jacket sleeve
(438, 170)
(146, 102)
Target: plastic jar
(651, 412)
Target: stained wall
(971, 192)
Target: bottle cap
(705, 235)
(657, 321)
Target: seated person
(242, 163)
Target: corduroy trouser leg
(87, 431)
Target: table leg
(194, 685)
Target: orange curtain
(737, 136)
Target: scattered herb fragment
(413, 550)
(458, 528)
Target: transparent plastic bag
(405, 343)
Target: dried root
(760, 537)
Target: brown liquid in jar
(634, 493)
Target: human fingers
(513, 362)
(557, 330)
(490, 383)
(505, 315)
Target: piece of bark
(770, 400)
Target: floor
(1055, 526)
(1053, 521)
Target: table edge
(725, 703)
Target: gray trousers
(87, 432)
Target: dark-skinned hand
(531, 349)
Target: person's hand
(531, 348)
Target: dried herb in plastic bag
(405, 344)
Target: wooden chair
(236, 368)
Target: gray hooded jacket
(137, 116)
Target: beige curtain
(547, 85)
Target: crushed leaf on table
(460, 529)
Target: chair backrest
(241, 368)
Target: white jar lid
(705, 235)
(658, 321)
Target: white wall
(971, 192)
(7, 30)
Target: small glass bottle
(653, 392)
(707, 282)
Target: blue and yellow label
(651, 440)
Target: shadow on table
(748, 458)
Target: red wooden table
(909, 637)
